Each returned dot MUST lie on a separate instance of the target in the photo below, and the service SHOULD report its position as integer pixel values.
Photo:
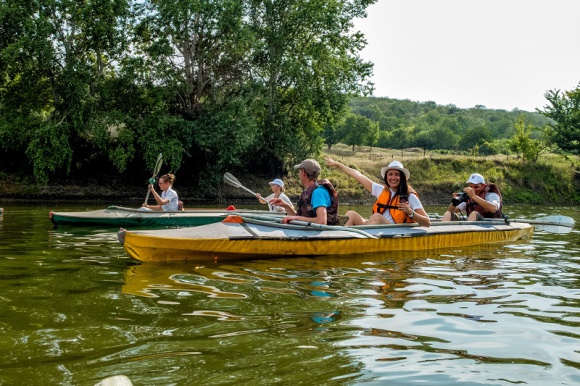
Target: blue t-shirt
(320, 197)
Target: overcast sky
(501, 54)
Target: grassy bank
(553, 179)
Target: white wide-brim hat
(396, 165)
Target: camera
(459, 198)
(404, 198)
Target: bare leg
(377, 218)
(354, 218)
(446, 216)
(472, 216)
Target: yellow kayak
(239, 237)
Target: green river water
(75, 309)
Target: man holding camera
(479, 200)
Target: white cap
(278, 182)
(476, 178)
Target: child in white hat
(277, 192)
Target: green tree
(474, 136)
(523, 144)
(306, 66)
(372, 134)
(385, 138)
(332, 134)
(439, 137)
(54, 58)
(350, 131)
(403, 137)
(564, 109)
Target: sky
(502, 54)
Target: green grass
(552, 179)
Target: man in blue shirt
(319, 201)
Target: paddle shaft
(331, 228)
(308, 224)
(233, 181)
(155, 172)
(564, 221)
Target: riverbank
(551, 180)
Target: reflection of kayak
(126, 217)
(147, 280)
(251, 238)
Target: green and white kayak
(116, 216)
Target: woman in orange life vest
(396, 202)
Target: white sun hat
(396, 165)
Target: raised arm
(363, 180)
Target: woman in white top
(396, 203)
(277, 192)
(168, 201)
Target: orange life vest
(384, 202)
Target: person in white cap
(479, 200)
(396, 202)
(277, 187)
(318, 203)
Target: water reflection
(76, 309)
(491, 306)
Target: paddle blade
(557, 220)
(553, 228)
(553, 224)
(151, 181)
(231, 180)
(158, 164)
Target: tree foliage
(108, 84)
(564, 109)
(404, 123)
(524, 145)
(357, 130)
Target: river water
(76, 309)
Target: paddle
(332, 228)
(308, 224)
(233, 181)
(554, 223)
(158, 164)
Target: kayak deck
(262, 239)
(127, 217)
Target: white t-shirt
(489, 197)
(171, 195)
(414, 202)
(274, 208)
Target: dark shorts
(455, 217)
